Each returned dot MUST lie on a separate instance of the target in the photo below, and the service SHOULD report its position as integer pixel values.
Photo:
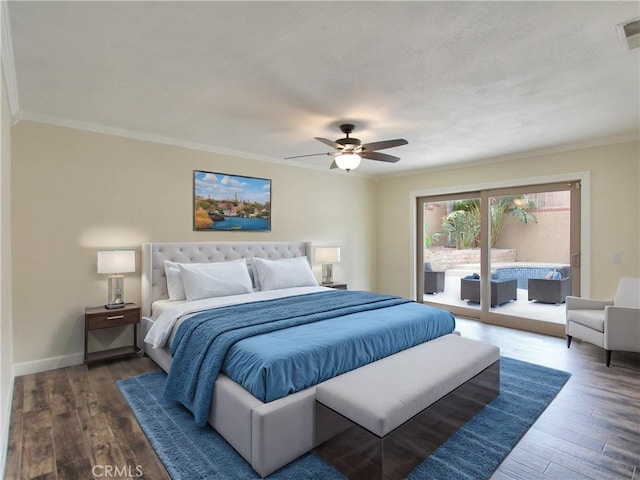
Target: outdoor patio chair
(502, 291)
(549, 290)
(610, 324)
(433, 281)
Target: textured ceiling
(461, 81)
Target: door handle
(575, 259)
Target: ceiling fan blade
(383, 157)
(333, 165)
(310, 155)
(385, 144)
(331, 143)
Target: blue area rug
(473, 452)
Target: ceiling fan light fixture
(348, 161)
(348, 151)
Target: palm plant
(462, 225)
(509, 206)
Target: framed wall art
(223, 202)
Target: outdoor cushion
(553, 275)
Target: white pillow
(174, 281)
(286, 273)
(219, 279)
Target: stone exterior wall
(443, 258)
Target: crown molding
(568, 147)
(175, 142)
(8, 63)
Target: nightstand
(338, 286)
(96, 318)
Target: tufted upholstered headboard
(154, 282)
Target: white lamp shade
(348, 161)
(117, 261)
(327, 254)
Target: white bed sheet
(166, 314)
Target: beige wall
(546, 240)
(6, 363)
(615, 210)
(75, 192)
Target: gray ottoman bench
(398, 410)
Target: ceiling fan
(349, 151)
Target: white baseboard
(35, 366)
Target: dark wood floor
(73, 423)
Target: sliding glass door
(450, 230)
(501, 255)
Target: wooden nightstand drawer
(114, 318)
(96, 318)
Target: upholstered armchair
(610, 324)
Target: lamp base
(115, 298)
(327, 273)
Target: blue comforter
(255, 345)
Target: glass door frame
(578, 184)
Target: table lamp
(327, 256)
(115, 263)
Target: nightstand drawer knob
(115, 317)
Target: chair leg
(569, 337)
(608, 355)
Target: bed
(268, 429)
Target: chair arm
(622, 328)
(579, 303)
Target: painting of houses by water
(230, 202)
